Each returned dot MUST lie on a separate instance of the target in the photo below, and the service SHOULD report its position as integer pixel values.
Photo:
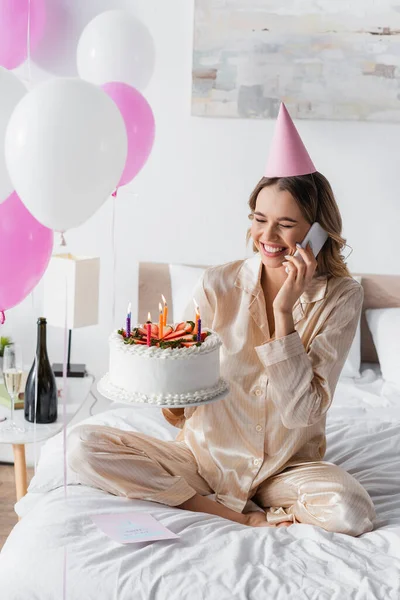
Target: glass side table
(77, 391)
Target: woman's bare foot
(259, 519)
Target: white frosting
(117, 394)
(164, 375)
(210, 343)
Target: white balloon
(65, 149)
(65, 21)
(11, 92)
(115, 46)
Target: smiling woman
(283, 210)
(266, 440)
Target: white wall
(189, 204)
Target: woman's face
(277, 221)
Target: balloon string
(64, 398)
(28, 42)
(64, 388)
(65, 574)
(114, 258)
(35, 412)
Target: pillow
(183, 282)
(384, 324)
(351, 367)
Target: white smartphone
(317, 237)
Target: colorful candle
(128, 320)
(197, 309)
(160, 322)
(197, 321)
(148, 327)
(165, 310)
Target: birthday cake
(177, 368)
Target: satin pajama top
(280, 389)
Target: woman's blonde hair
(316, 200)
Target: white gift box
(71, 285)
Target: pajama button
(258, 428)
(257, 461)
(258, 391)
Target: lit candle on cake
(128, 320)
(197, 329)
(160, 322)
(165, 310)
(197, 309)
(148, 328)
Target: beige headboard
(380, 291)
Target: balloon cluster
(70, 142)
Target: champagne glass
(12, 372)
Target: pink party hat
(288, 156)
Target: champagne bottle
(41, 377)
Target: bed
(214, 558)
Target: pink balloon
(139, 123)
(14, 30)
(25, 251)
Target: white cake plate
(116, 394)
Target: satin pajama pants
(139, 466)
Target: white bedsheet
(215, 559)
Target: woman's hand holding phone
(300, 274)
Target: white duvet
(214, 559)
